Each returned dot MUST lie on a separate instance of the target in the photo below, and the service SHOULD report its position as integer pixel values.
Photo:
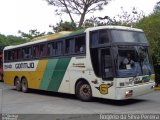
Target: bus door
(105, 61)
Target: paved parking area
(42, 102)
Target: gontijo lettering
(24, 65)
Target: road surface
(42, 102)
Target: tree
(151, 27)
(157, 7)
(32, 34)
(129, 19)
(100, 21)
(11, 40)
(125, 19)
(63, 26)
(77, 7)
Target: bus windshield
(128, 36)
(133, 61)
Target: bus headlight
(152, 87)
(129, 93)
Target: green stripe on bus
(48, 73)
(58, 74)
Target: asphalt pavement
(45, 105)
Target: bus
(88, 63)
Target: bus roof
(70, 33)
(114, 27)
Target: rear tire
(24, 85)
(83, 91)
(18, 84)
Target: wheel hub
(85, 91)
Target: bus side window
(69, 46)
(80, 46)
(14, 54)
(36, 51)
(27, 53)
(5, 55)
(10, 55)
(43, 50)
(19, 54)
(51, 49)
(58, 47)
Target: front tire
(83, 91)
(24, 85)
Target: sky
(24, 15)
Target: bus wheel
(24, 85)
(18, 84)
(83, 91)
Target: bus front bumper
(134, 91)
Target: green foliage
(100, 21)
(63, 26)
(11, 40)
(151, 27)
(32, 34)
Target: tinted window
(99, 37)
(69, 46)
(58, 47)
(103, 37)
(27, 53)
(106, 64)
(94, 38)
(43, 50)
(80, 46)
(128, 36)
(36, 51)
(15, 54)
(51, 49)
(5, 55)
(19, 54)
(8, 55)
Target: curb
(157, 88)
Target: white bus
(111, 62)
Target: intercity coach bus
(89, 63)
